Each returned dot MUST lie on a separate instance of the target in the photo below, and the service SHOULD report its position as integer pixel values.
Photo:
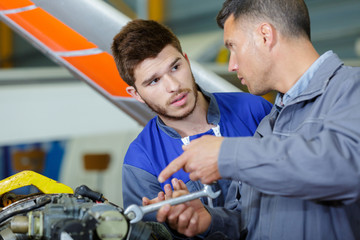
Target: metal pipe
(19, 224)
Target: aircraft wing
(78, 35)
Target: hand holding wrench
(135, 213)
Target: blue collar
(213, 115)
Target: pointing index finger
(173, 167)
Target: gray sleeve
(227, 219)
(323, 168)
(136, 184)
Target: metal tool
(135, 213)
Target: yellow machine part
(26, 178)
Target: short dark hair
(138, 40)
(291, 17)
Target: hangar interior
(55, 124)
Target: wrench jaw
(210, 193)
(215, 195)
(134, 213)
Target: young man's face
(165, 83)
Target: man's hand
(200, 159)
(190, 218)
(161, 196)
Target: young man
(300, 173)
(150, 60)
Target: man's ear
(132, 91)
(267, 34)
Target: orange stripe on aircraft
(50, 31)
(13, 4)
(102, 70)
(58, 37)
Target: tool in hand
(135, 213)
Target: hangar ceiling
(335, 25)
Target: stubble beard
(162, 112)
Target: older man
(300, 174)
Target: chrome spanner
(135, 213)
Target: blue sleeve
(265, 109)
(136, 184)
(256, 107)
(241, 113)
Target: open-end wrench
(135, 213)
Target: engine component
(56, 213)
(25, 178)
(64, 216)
